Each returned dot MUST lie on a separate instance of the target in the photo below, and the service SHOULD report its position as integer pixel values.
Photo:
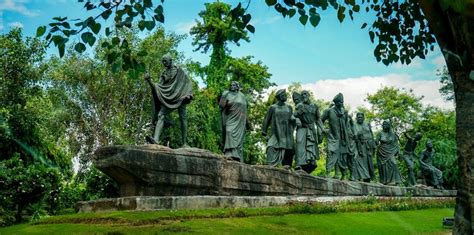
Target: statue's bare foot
(151, 140)
(286, 167)
(301, 172)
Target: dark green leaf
(372, 36)
(289, 2)
(159, 10)
(340, 14)
(57, 40)
(270, 2)
(246, 18)
(88, 38)
(80, 47)
(115, 40)
(363, 25)
(250, 28)
(40, 31)
(107, 31)
(141, 25)
(105, 45)
(314, 19)
(61, 48)
(96, 28)
(303, 19)
(60, 18)
(147, 3)
(105, 15)
(393, 57)
(291, 12)
(66, 25)
(150, 25)
(356, 8)
(160, 18)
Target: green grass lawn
(426, 221)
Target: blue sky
(332, 53)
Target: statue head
(167, 60)
(360, 116)
(281, 95)
(338, 100)
(418, 136)
(234, 86)
(305, 96)
(296, 97)
(386, 126)
(429, 145)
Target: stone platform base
(145, 203)
(153, 170)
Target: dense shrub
(24, 185)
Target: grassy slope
(402, 222)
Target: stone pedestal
(153, 170)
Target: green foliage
(33, 159)
(440, 127)
(22, 185)
(447, 88)
(132, 14)
(99, 185)
(218, 28)
(402, 108)
(408, 115)
(215, 31)
(125, 14)
(102, 107)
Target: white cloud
(439, 61)
(17, 6)
(184, 27)
(16, 24)
(266, 21)
(355, 90)
(415, 63)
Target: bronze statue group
(295, 135)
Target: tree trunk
(464, 213)
(454, 32)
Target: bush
(99, 185)
(24, 185)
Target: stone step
(145, 203)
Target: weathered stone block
(153, 170)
